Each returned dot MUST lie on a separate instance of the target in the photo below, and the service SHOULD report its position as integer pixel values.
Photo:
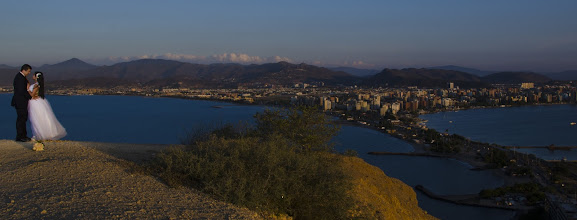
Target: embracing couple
(29, 101)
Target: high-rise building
(383, 110)
(527, 85)
(327, 105)
(395, 107)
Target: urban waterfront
(131, 119)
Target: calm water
(440, 175)
(127, 119)
(516, 126)
(165, 121)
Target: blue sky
(488, 35)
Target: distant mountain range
(168, 72)
(516, 78)
(423, 78)
(355, 71)
(66, 69)
(464, 69)
(426, 77)
(157, 72)
(565, 75)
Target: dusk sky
(489, 35)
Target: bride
(45, 126)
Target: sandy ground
(84, 180)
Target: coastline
(416, 146)
(468, 158)
(494, 107)
(420, 148)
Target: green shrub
(280, 169)
(303, 126)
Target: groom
(20, 102)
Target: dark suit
(20, 103)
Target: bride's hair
(40, 79)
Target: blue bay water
(439, 175)
(129, 119)
(515, 126)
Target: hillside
(157, 72)
(356, 71)
(565, 75)
(160, 73)
(515, 78)
(86, 180)
(7, 76)
(422, 78)
(166, 72)
(378, 196)
(80, 180)
(463, 69)
(64, 69)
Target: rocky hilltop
(85, 180)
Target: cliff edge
(378, 196)
(88, 180)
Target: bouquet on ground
(38, 145)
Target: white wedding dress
(45, 126)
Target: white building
(327, 105)
(395, 107)
(383, 110)
(527, 85)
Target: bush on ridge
(281, 165)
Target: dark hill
(565, 75)
(166, 72)
(65, 69)
(515, 78)
(356, 71)
(463, 69)
(7, 76)
(422, 78)
(4, 66)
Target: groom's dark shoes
(26, 139)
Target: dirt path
(83, 180)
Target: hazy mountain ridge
(464, 69)
(426, 77)
(64, 69)
(516, 78)
(7, 75)
(565, 75)
(356, 71)
(422, 78)
(165, 72)
(158, 72)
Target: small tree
(309, 129)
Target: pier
(550, 147)
(469, 200)
(405, 154)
